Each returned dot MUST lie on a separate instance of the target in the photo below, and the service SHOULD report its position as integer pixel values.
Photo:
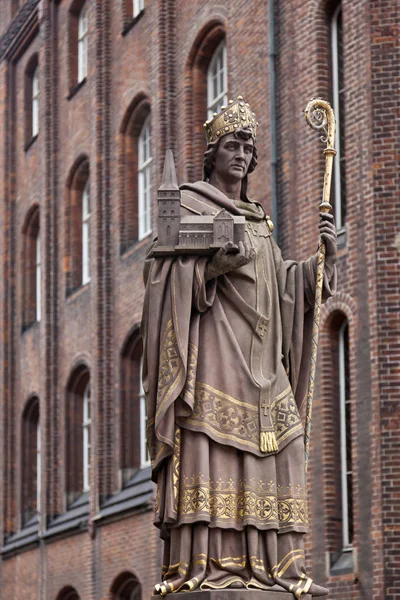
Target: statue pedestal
(232, 594)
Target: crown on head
(237, 115)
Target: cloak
(225, 370)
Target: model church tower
(169, 206)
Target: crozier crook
(319, 115)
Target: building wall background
(156, 59)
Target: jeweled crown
(236, 115)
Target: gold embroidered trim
(231, 419)
(237, 501)
(176, 467)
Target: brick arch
(29, 296)
(129, 132)
(29, 424)
(68, 593)
(125, 587)
(75, 184)
(129, 402)
(200, 55)
(77, 381)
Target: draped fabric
(225, 364)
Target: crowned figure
(226, 346)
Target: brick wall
(159, 59)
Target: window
(35, 102)
(31, 269)
(86, 425)
(338, 443)
(126, 587)
(217, 86)
(345, 437)
(31, 101)
(134, 452)
(82, 44)
(86, 233)
(206, 77)
(78, 433)
(338, 93)
(77, 220)
(144, 179)
(38, 277)
(138, 6)
(78, 46)
(30, 456)
(135, 174)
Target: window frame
(35, 102)
(144, 180)
(86, 217)
(345, 414)
(38, 277)
(83, 33)
(214, 102)
(86, 444)
(144, 450)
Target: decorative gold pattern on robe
(236, 501)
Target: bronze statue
(226, 345)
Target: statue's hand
(328, 234)
(223, 262)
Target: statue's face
(233, 157)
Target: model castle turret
(191, 234)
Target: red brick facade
(100, 544)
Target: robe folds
(225, 370)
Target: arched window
(78, 35)
(338, 97)
(31, 269)
(339, 439)
(68, 593)
(346, 467)
(78, 213)
(206, 77)
(31, 100)
(134, 452)
(144, 178)
(126, 587)
(217, 81)
(82, 43)
(30, 458)
(78, 433)
(135, 174)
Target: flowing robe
(225, 362)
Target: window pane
(216, 81)
(144, 179)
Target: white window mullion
(38, 279)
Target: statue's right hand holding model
(226, 344)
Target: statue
(227, 333)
